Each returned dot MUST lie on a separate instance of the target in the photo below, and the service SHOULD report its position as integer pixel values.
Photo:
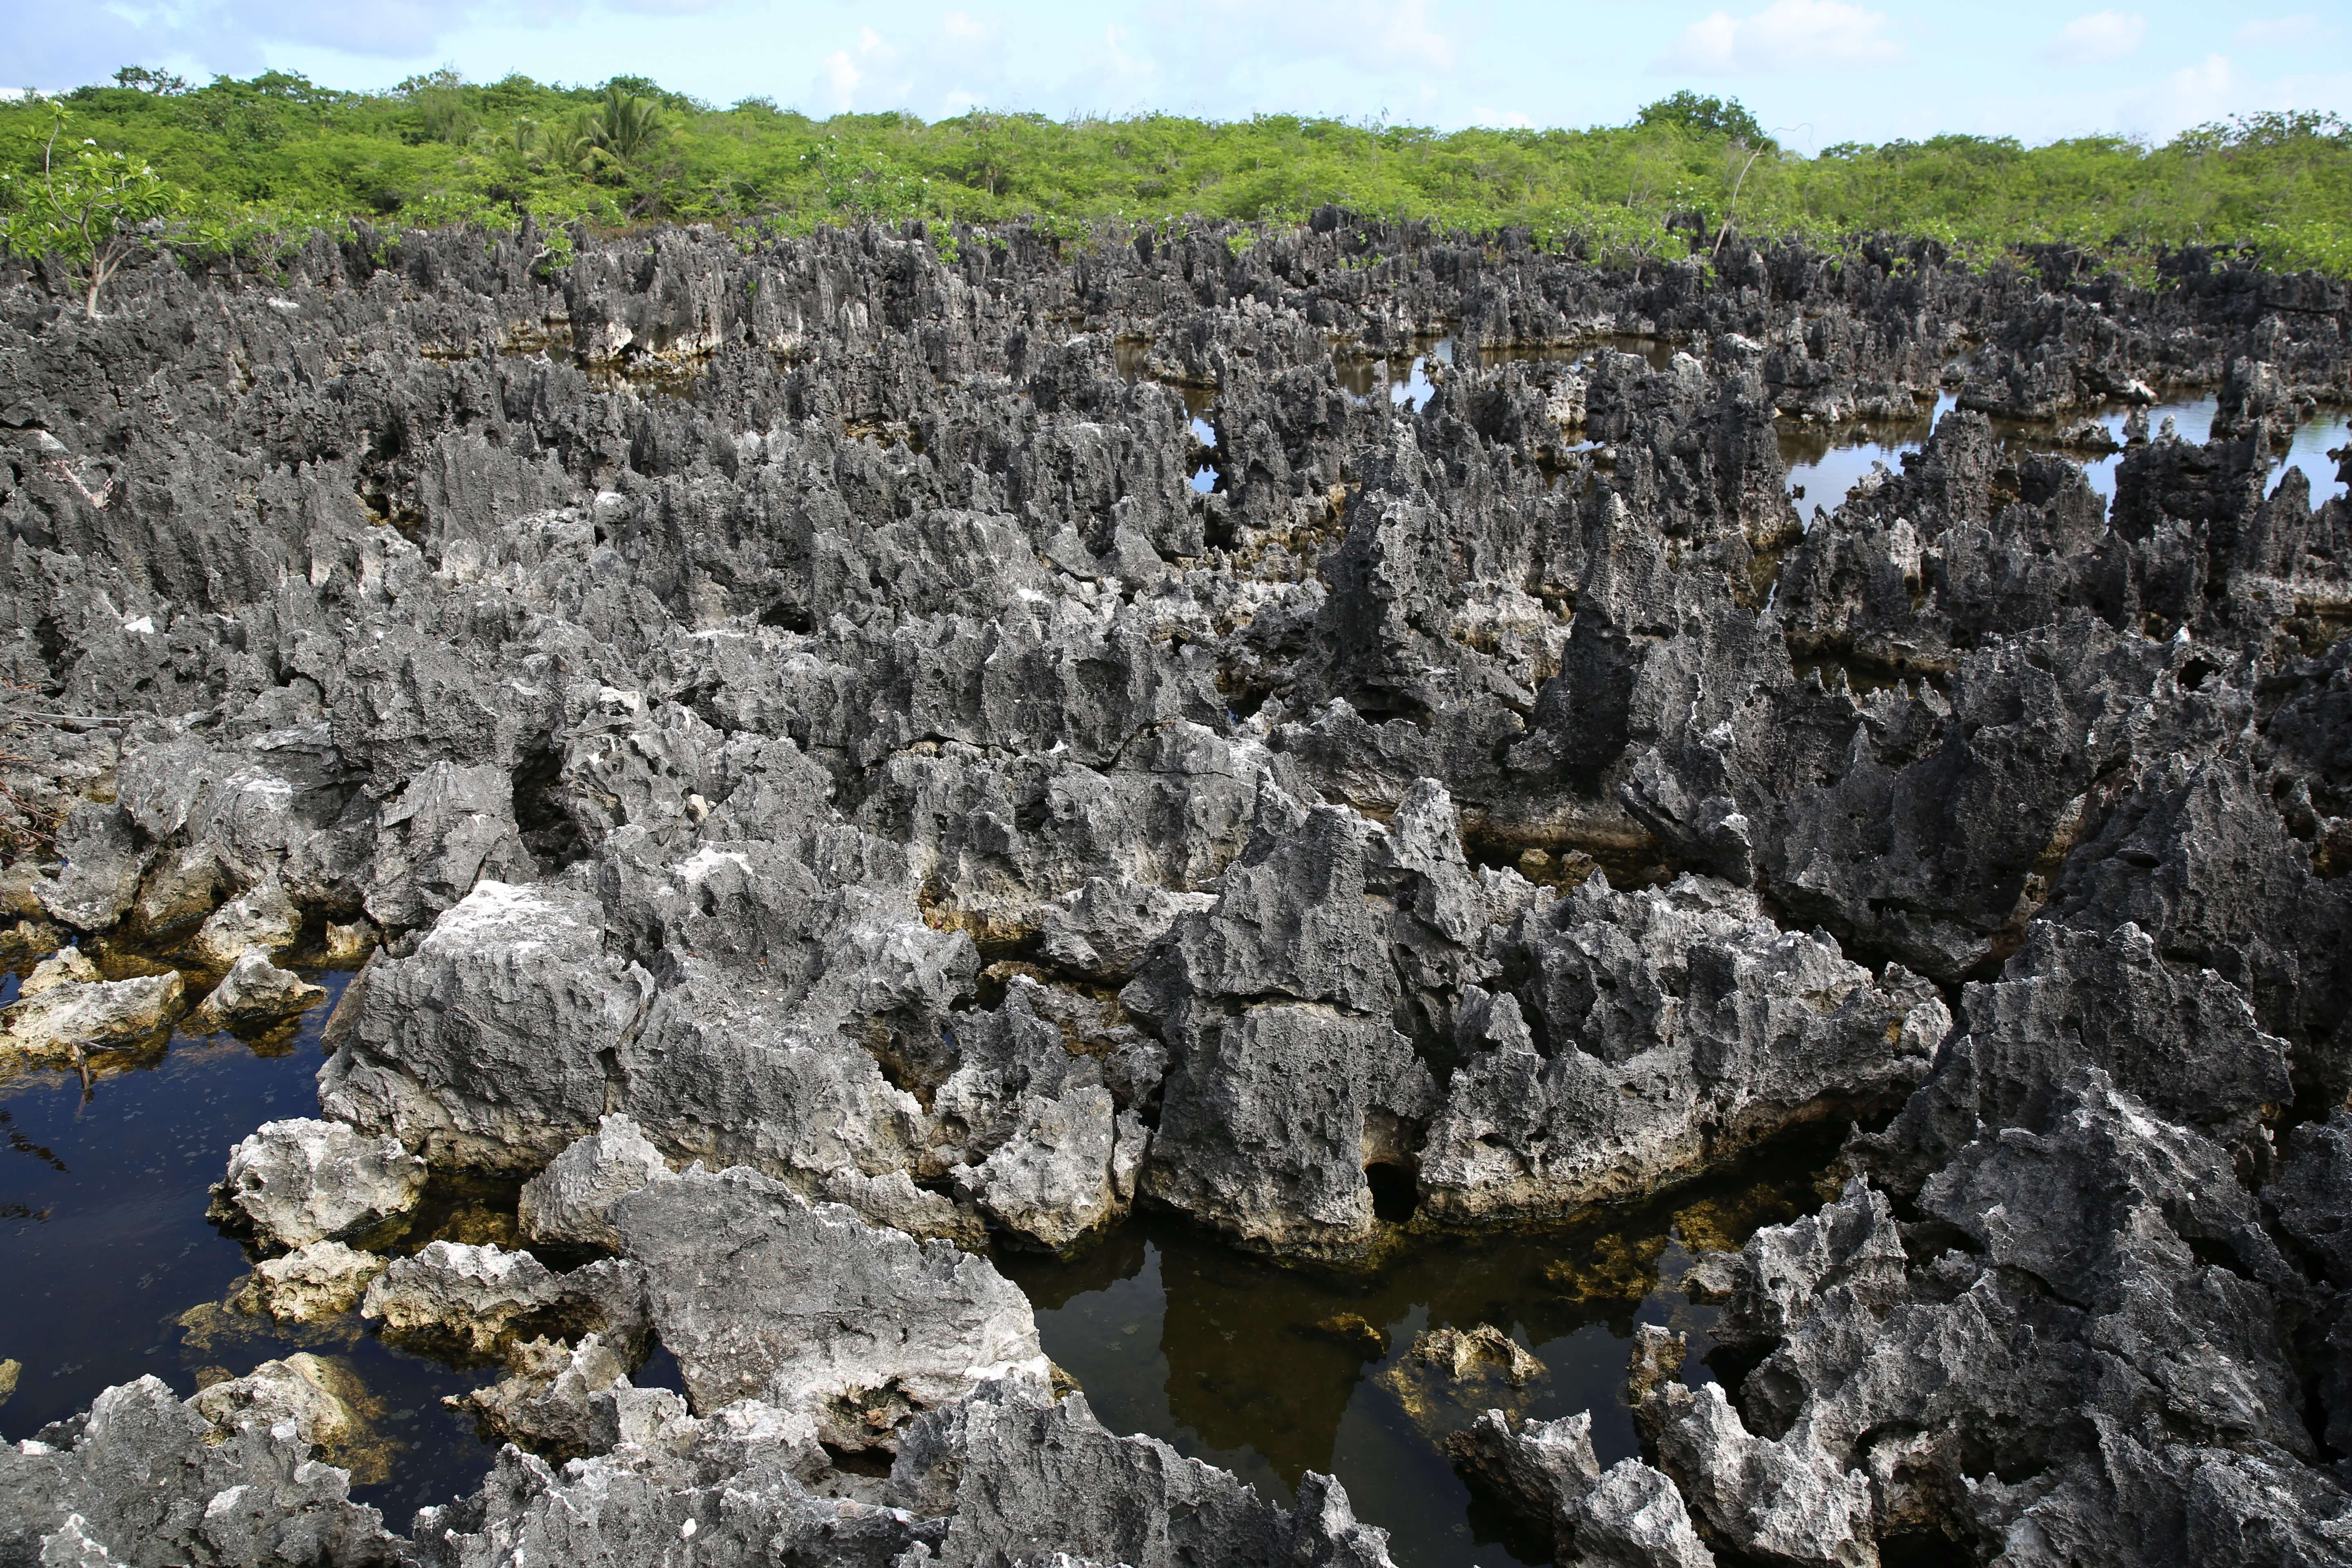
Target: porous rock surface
(573, 1199)
(312, 1282)
(788, 706)
(303, 1180)
(758, 1294)
(255, 991)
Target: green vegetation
(85, 210)
(254, 162)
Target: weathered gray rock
(1019, 1479)
(2186, 1041)
(483, 1298)
(67, 966)
(321, 1281)
(1272, 1116)
(761, 1295)
(2109, 1270)
(255, 991)
(154, 1481)
(450, 830)
(573, 1199)
(496, 1042)
(261, 919)
(1649, 1030)
(2313, 1195)
(69, 1015)
(744, 1504)
(1103, 929)
(1027, 1128)
(1854, 1245)
(1629, 1516)
(71, 1547)
(300, 1181)
(895, 1201)
(302, 1389)
(550, 1405)
(1288, 1077)
(1784, 1500)
(792, 768)
(103, 863)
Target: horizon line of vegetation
(251, 167)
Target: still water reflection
(109, 1271)
(1272, 1372)
(1825, 466)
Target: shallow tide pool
(1825, 466)
(110, 1271)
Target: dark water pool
(1272, 1372)
(110, 1271)
(1825, 466)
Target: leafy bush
(264, 155)
(86, 211)
(1705, 117)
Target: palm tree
(617, 130)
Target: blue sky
(1817, 71)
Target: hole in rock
(873, 1462)
(1395, 1194)
(660, 1371)
(1922, 1549)
(548, 830)
(788, 616)
(1244, 703)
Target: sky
(1814, 71)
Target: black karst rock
(787, 707)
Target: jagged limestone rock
(1629, 1516)
(261, 919)
(573, 1199)
(154, 1480)
(482, 1298)
(301, 1180)
(796, 768)
(321, 1281)
(102, 866)
(1651, 1029)
(67, 966)
(497, 1039)
(761, 1295)
(255, 991)
(70, 1015)
(1018, 1477)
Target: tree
(161, 84)
(87, 212)
(617, 129)
(1705, 116)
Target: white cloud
(1503, 119)
(2192, 95)
(2270, 32)
(841, 78)
(1387, 39)
(1788, 34)
(2097, 39)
